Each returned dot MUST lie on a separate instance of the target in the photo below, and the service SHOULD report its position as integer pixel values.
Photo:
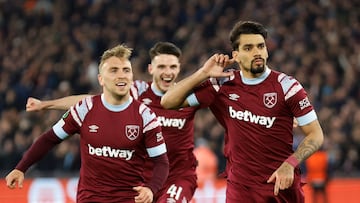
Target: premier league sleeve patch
(66, 114)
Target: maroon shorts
(241, 193)
(179, 190)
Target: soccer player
(117, 133)
(177, 125)
(256, 106)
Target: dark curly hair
(245, 27)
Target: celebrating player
(177, 125)
(256, 106)
(117, 134)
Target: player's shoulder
(89, 101)
(142, 107)
(92, 98)
(139, 87)
(283, 78)
(146, 113)
(141, 84)
(289, 84)
(139, 109)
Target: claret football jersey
(115, 140)
(177, 127)
(258, 116)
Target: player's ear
(100, 79)
(235, 55)
(150, 68)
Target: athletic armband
(292, 160)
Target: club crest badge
(270, 99)
(132, 131)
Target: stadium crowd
(50, 48)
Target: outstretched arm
(38, 149)
(63, 103)
(175, 97)
(284, 175)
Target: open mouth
(167, 79)
(121, 84)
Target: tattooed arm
(311, 143)
(283, 177)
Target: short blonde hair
(120, 51)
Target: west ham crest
(270, 99)
(132, 131)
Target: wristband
(292, 160)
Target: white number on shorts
(174, 191)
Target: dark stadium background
(50, 48)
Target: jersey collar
(116, 108)
(258, 80)
(155, 90)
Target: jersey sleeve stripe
(134, 92)
(281, 77)
(89, 102)
(157, 150)
(192, 100)
(75, 116)
(138, 88)
(154, 124)
(294, 89)
(307, 118)
(147, 115)
(82, 109)
(286, 82)
(59, 131)
(149, 118)
(215, 84)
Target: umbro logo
(93, 128)
(146, 101)
(234, 97)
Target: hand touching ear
(214, 66)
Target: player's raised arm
(175, 97)
(35, 153)
(64, 103)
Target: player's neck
(116, 99)
(156, 89)
(249, 75)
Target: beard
(255, 69)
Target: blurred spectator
(318, 174)
(207, 164)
